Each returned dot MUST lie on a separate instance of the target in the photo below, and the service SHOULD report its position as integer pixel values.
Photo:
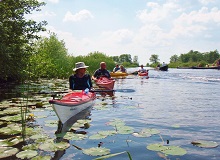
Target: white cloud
(81, 15)
(205, 2)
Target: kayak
(71, 104)
(118, 74)
(106, 83)
(143, 75)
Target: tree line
(26, 55)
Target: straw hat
(79, 65)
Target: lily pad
(33, 146)
(7, 151)
(107, 133)
(141, 134)
(26, 154)
(150, 131)
(11, 141)
(168, 150)
(96, 151)
(73, 136)
(205, 144)
(50, 146)
(97, 136)
(41, 158)
(125, 130)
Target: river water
(183, 104)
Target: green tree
(51, 58)
(154, 58)
(17, 35)
(174, 58)
(125, 58)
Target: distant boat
(163, 68)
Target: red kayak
(143, 75)
(106, 83)
(72, 103)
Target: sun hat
(79, 65)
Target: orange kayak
(143, 75)
(105, 83)
(71, 104)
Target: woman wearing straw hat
(80, 80)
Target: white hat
(79, 65)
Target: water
(183, 104)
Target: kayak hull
(143, 75)
(118, 74)
(106, 83)
(71, 104)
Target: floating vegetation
(97, 136)
(50, 146)
(41, 158)
(11, 141)
(51, 123)
(73, 136)
(96, 151)
(168, 150)
(7, 151)
(205, 144)
(26, 154)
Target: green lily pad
(73, 136)
(10, 141)
(96, 151)
(7, 151)
(39, 136)
(14, 118)
(116, 122)
(33, 146)
(150, 131)
(26, 154)
(97, 136)
(205, 144)
(107, 133)
(168, 150)
(41, 158)
(125, 130)
(50, 146)
(141, 134)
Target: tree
(17, 35)
(125, 58)
(174, 58)
(135, 59)
(154, 59)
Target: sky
(136, 27)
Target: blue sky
(136, 27)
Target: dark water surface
(183, 104)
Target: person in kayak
(122, 69)
(80, 80)
(117, 68)
(101, 72)
(142, 70)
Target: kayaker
(80, 80)
(142, 70)
(117, 68)
(122, 69)
(101, 72)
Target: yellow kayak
(118, 74)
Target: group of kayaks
(76, 101)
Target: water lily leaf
(11, 141)
(41, 158)
(141, 134)
(116, 122)
(96, 151)
(205, 144)
(107, 133)
(174, 150)
(39, 136)
(125, 130)
(73, 136)
(10, 130)
(7, 151)
(150, 131)
(50, 146)
(33, 146)
(14, 118)
(97, 136)
(169, 150)
(26, 154)
(156, 147)
(83, 121)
